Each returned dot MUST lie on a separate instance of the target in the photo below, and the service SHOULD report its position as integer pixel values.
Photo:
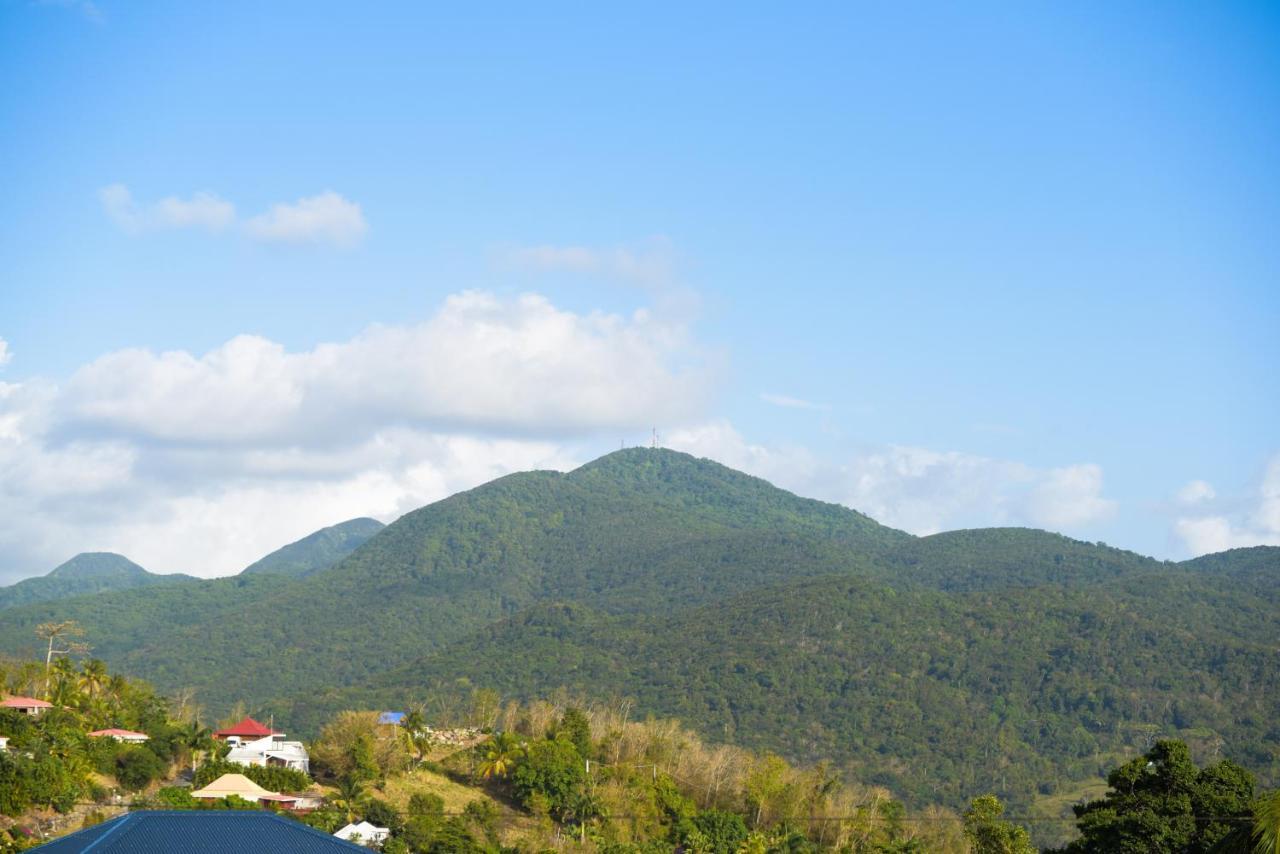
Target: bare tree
(60, 633)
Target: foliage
(136, 767)
(550, 774)
(1162, 802)
(353, 745)
(50, 758)
(988, 833)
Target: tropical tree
(1161, 802)
(196, 739)
(501, 754)
(93, 677)
(988, 833)
(350, 796)
(1266, 824)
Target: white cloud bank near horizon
(324, 218)
(203, 463)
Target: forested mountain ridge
(637, 531)
(997, 658)
(317, 551)
(86, 573)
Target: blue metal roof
(199, 832)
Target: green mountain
(1011, 660)
(86, 573)
(317, 551)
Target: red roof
(24, 703)
(118, 733)
(247, 728)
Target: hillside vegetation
(317, 551)
(86, 573)
(1011, 660)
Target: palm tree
(93, 677)
(195, 738)
(350, 794)
(1266, 824)
(413, 726)
(503, 752)
(62, 682)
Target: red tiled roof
(118, 733)
(246, 727)
(24, 703)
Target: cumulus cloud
(1255, 522)
(1196, 492)
(918, 489)
(201, 463)
(788, 402)
(202, 210)
(326, 218)
(480, 363)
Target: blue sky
(951, 264)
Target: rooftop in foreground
(199, 832)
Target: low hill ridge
(317, 551)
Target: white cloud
(203, 210)
(480, 363)
(1196, 492)
(788, 402)
(917, 489)
(5, 355)
(202, 463)
(1256, 524)
(326, 218)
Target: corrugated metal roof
(199, 832)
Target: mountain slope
(936, 695)
(86, 573)
(317, 551)
(638, 531)
(931, 664)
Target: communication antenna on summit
(653, 443)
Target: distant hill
(86, 573)
(317, 551)
(1008, 660)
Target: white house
(270, 750)
(26, 705)
(364, 832)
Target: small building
(240, 786)
(247, 730)
(26, 705)
(199, 832)
(127, 736)
(4, 742)
(364, 832)
(391, 718)
(271, 750)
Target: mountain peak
(318, 550)
(96, 565)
